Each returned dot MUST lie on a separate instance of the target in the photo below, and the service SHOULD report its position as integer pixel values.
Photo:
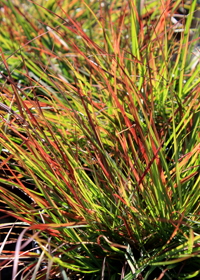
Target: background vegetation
(100, 139)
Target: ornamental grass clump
(100, 139)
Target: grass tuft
(99, 139)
